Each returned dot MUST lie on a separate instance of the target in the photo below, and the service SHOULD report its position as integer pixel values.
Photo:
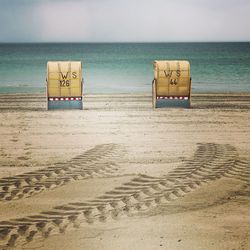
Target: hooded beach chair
(172, 84)
(64, 85)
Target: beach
(121, 175)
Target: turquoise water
(126, 67)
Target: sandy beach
(120, 175)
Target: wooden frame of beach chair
(64, 86)
(171, 86)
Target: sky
(124, 20)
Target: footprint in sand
(14, 140)
(23, 158)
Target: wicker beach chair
(172, 84)
(64, 85)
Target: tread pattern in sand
(96, 162)
(143, 193)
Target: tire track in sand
(143, 193)
(96, 162)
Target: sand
(119, 175)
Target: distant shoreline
(132, 102)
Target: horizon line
(124, 42)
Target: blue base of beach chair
(172, 103)
(65, 105)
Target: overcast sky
(124, 20)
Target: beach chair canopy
(172, 78)
(64, 79)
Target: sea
(126, 67)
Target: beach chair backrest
(64, 79)
(172, 78)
